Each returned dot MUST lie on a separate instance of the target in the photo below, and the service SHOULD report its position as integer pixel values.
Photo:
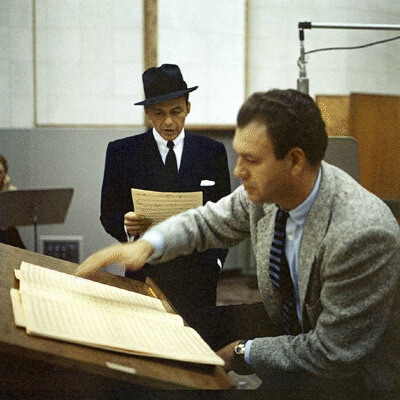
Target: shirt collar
(299, 214)
(161, 141)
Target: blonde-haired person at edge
(8, 234)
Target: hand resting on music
(132, 255)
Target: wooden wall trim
(150, 33)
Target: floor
(234, 288)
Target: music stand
(34, 207)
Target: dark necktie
(171, 166)
(280, 274)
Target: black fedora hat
(162, 84)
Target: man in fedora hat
(166, 158)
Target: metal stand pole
(35, 227)
(302, 81)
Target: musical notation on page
(158, 206)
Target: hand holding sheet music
(154, 206)
(158, 206)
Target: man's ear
(297, 159)
(188, 105)
(149, 122)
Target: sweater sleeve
(215, 225)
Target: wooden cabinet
(374, 121)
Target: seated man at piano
(327, 253)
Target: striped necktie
(280, 274)
(171, 165)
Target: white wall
(79, 62)
(16, 64)
(206, 39)
(275, 46)
(83, 66)
(88, 57)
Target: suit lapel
(314, 231)
(152, 152)
(189, 165)
(155, 167)
(265, 232)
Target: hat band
(162, 89)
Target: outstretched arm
(132, 255)
(221, 224)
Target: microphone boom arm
(302, 81)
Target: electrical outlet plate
(64, 247)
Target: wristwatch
(240, 347)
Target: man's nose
(238, 171)
(168, 121)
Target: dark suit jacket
(135, 162)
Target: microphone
(302, 81)
(303, 85)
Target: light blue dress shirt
(294, 234)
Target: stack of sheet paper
(73, 309)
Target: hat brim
(165, 97)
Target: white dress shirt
(163, 148)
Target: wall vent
(65, 247)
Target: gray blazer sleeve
(351, 314)
(215, 225)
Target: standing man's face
(169, 118)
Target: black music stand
(34, 207)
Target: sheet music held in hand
(157, 206)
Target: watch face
(240, 347)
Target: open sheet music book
(60, 306)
